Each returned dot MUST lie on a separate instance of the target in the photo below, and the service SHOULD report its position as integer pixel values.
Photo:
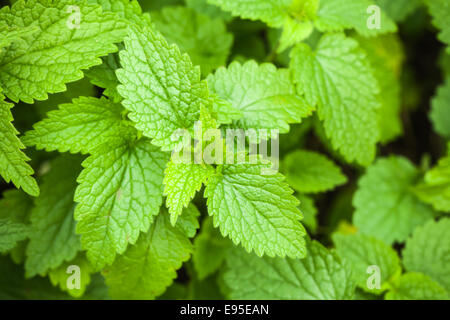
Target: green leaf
(428, 251)
(13, 162)
(80, 126)
(320, 276)
(104, 76)
(149, 267)
(181, 183)
(43, 62)
(119, 193)
(60, 276)
(15, 205)
(311, 172)
(386, 207)
(338, 77)
(309, 211)
(258, 211)
(203, 7)
(206, 40)
(337, 15)
(9, 35)
(440, 110)
(210, 250)
(435, 189)
(264, 94)
(160, 86)
(361, 252)
(10, 233)
(128, 10)
(271, 12)
(416, 286)
(398, 10)
(53, 239)
(440, 11)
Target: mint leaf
(181, 183)
(337, 15)
(13, 162)
(206, 40)
(416, 286)
(311, 172)
(264, 94)
(80, 126)
(440, 110)
(53, 239)
(362, 252)
(338, 77)
(258, 211)
(130, 11)
(210, 250)
(10, 233)
(119, 192)
(309, 211)
(428, 249)
(147, 268)
(319, 276)
(440, 10)
(386, 207)
(398, 10)
(160, 86)
(55, 54)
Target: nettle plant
(115, 195)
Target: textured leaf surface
(55, 54)
(181, 183)
(264, 94)
(309, 211)
(80, 126)
(13, 162)
(319, 276)
(53, 239)
(337, 15)
(256, 210)
(435, 190)
(206, 40)
(210, 250)
(311, 172)
(416, 286)
(386, 206)
(130, 11)
(361, 252)
(160, 86)
(119, 192)
(10, 233)
(428, 251)
(440, 11)
(338, 77)
(149, 267)
(104, 76)
(398, 10)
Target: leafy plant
(128, 143)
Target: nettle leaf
(181, 183)
(319, 276)
(210, 250)
(119, 193)
(440, 10)
(65, 43)
(428, 251)
(386, 207)
(311, 172)
(416, 286)
(11, 233)
(206, 40)
(362, 252)
(80, 126)
(147, 268)
(258, 211)
(337, 15)
(386, 56)
(435, 190)
(53, 239)
(13, 162)
(264, 94)
(440, 110)
(338, 77)
(160, 86)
